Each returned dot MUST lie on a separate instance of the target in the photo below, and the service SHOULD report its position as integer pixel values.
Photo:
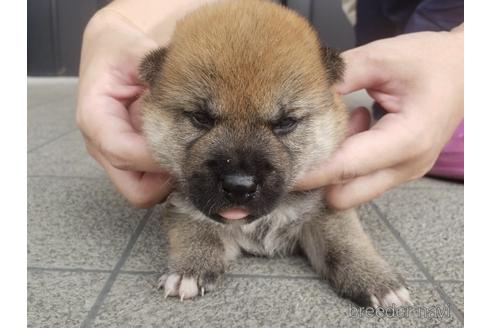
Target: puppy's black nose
(239, 187)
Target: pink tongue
(234, 213)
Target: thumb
(360, 120)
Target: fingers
(362, 189)
(383, 146)
(142, 189)
(107, 126)
(127, 151)
(361, 70)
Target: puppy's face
(239, 105)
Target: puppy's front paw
(396, 298)
(186, 287)
(376, 291)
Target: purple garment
(451, 161)
(436, 15)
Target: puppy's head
(240, 104)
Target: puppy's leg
(197, 257)
(342, 253)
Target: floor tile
(149, 252)
(263, 302)
(455, 291)
(387, 245)
(48, 122)
(66, 156)
(431, 223)
(42, 91)
(77, 223)
(61, 299)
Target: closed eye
(285, 125)
(200, 119)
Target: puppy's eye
(285, 125)
(201, 120)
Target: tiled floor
(93, 261)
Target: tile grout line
(30, 151)
(116, 270)
(236, 275)
(59, 101)
(419, 264)
(78, 270)
(67, 177)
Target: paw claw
(396, 298)
(188, 288)
(181, 286)
(162, 281)
(170, 283)
(374, 302)
(404, 296)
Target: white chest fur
(278, 232)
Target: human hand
(418, 79)
(107, 108)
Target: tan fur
(247, 63)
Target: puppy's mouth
(234, 213)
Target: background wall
(54, 30)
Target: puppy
(238, 106)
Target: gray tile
(64, 157)
(295, 265)
(246, 302)
(149, 253)
(455, 291)
(433, 183)
(61, 299)
(42, 91)
(48, 122)
(77, 223)
(431, 223)
(387, 245)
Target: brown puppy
(239, 106)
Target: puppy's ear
(334, 64)
(151, 66)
